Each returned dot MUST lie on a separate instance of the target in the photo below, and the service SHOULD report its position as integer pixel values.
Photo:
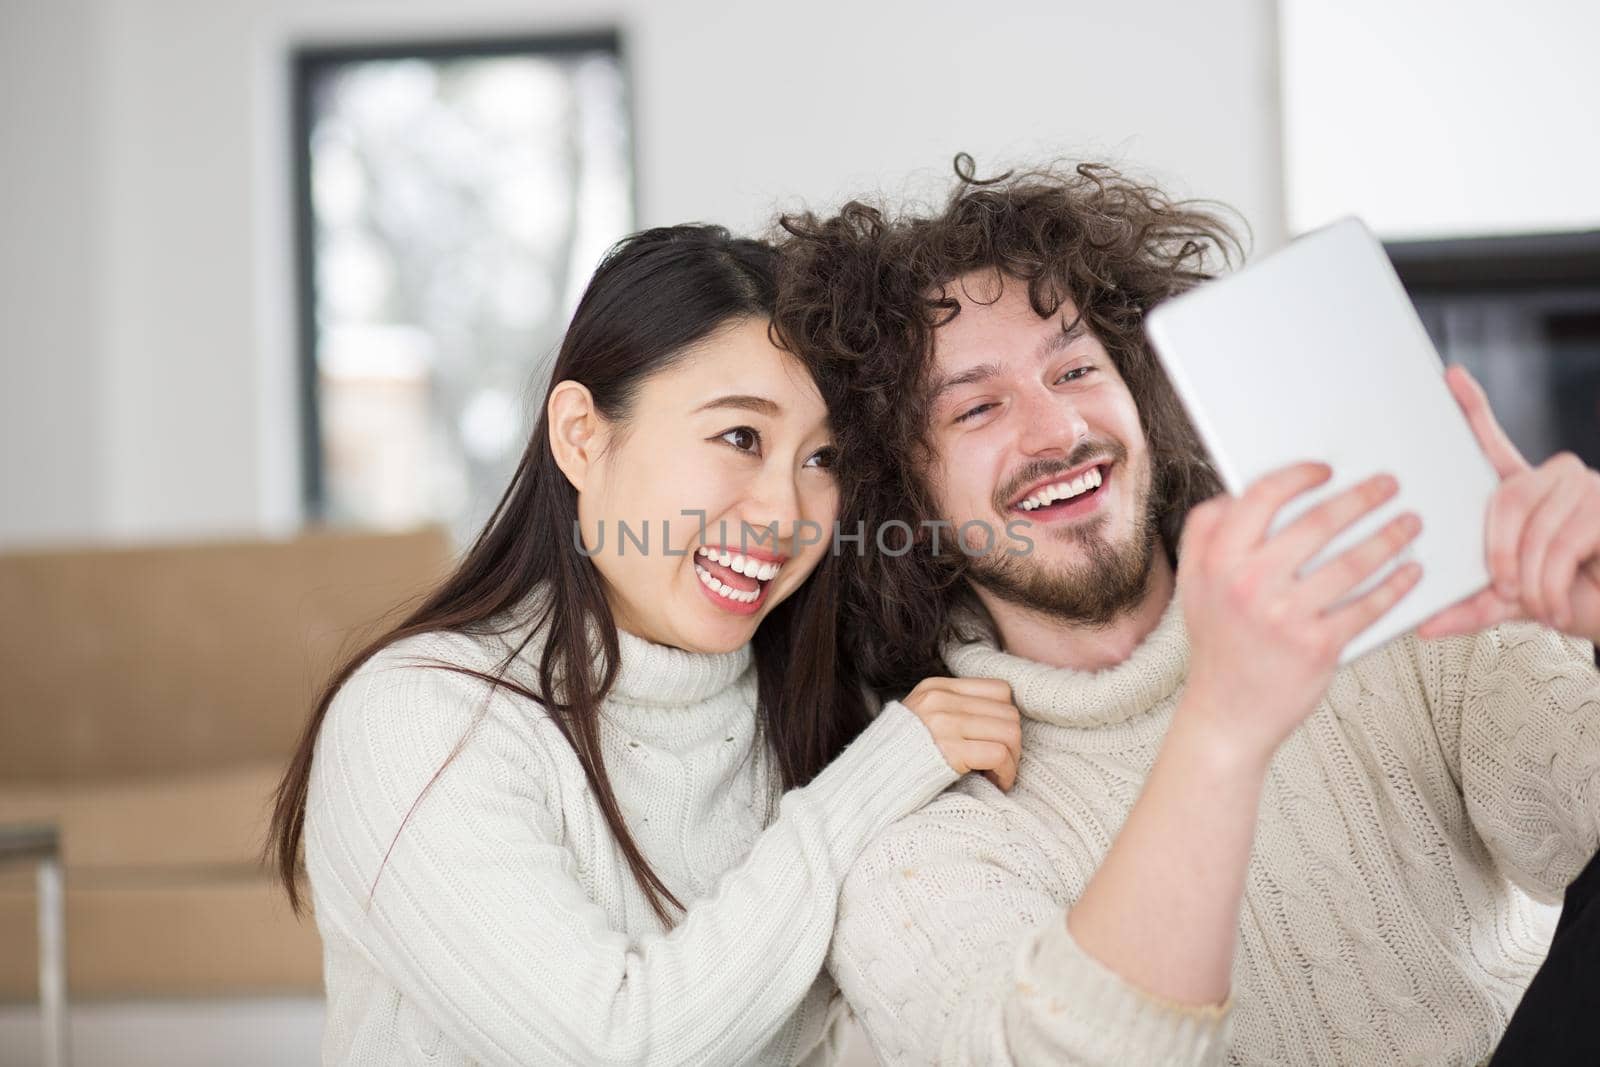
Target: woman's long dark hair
(655, 295)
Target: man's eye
(1074, 374)
(743, 438)
(973, 412)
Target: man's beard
(1110, 581)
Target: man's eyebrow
(1055, 342)
(977, 373)
(1059, 339)
(744, 401)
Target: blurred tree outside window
(452, 203)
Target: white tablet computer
(1315, 353)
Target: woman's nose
(774, 502)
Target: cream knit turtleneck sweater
(505, 926)
(1382, 922)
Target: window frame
(310, 62)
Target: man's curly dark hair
(863, 291)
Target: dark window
(1522, 314)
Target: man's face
(1033, 424)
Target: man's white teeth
(1084, 482)
(738, 596)
(749, 567)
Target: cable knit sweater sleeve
(478, 916)
(953, 948)
(1517, 712)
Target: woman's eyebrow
(744, 401)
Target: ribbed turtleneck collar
(653, 675)
(1085, 699)
(648, 675)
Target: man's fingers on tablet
(1247, 522)
(1573, 545)
(1311, 532)
(1585, 621)
(1554, 511)
(1509, 508)
(1201, 524)
(1560, 578)
(1334, 580)
(1502, 454)
(1352, 618)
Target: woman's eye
(973, 412)
(1074, 374)
(743, 438)
(823, 458)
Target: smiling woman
(580, 743)
(753, 458)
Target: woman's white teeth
(735, 561)
(738, 596)
(1084, 482)
(749, 567)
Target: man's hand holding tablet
(1315, 353)
(1266, 631)
(1542, 536)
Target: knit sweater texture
(1414, 836)
(485, 914)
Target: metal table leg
(53, 962)
(41, 845)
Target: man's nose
(1050, 423)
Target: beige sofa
(149, 699)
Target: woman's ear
(575, 431)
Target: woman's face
(690, 506)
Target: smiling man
(1220, 846)
(1105, 551)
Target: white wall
(52, 483)
(1443, 117)
(148, 374)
